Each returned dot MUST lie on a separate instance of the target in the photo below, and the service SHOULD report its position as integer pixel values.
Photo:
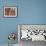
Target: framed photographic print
(10, 11)
(33, 32)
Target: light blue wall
(29, 12)
(7, 25)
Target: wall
(29, 12)
(7, 25)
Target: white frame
(10, 7)
(18, 33)
(19, 26)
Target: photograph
(10, 11)
(32, 32)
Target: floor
(30, 43)
(7, 45)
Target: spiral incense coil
(12, 36)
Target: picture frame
(36, 32)
(10, 11)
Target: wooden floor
(30, 43)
